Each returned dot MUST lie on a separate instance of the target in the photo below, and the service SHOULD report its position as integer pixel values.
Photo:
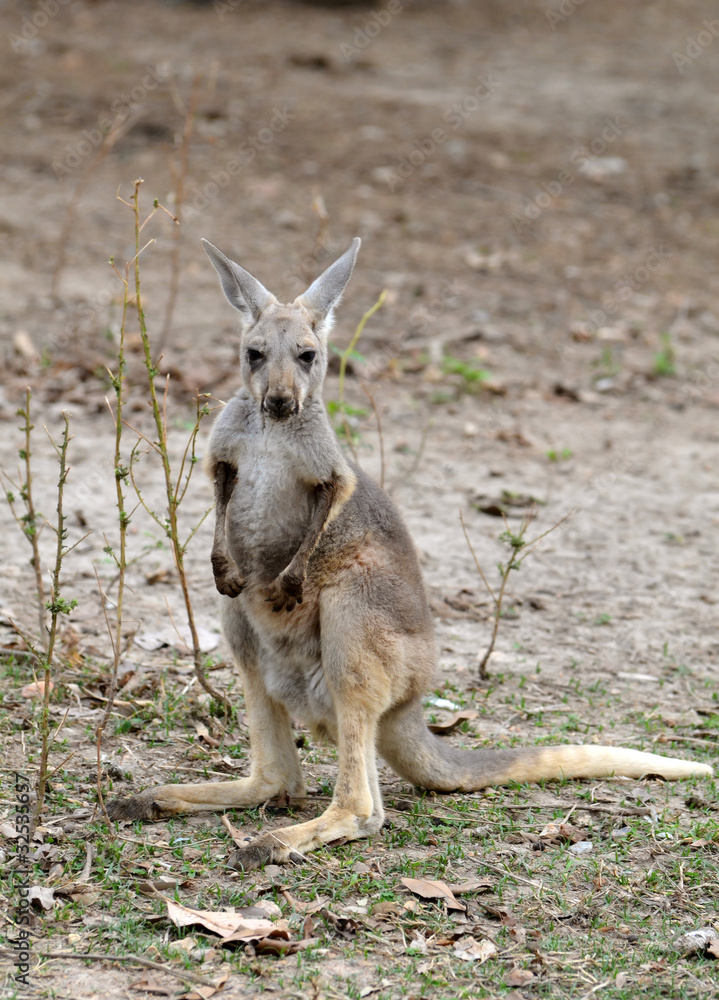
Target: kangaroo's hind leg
(274, 765)
(357, 680)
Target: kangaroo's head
(283, 348)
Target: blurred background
(524, 175)
(535, 185)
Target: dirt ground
(536, 188)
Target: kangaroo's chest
(269, 512)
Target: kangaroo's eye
(308, 357)
(254, 357)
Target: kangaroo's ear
(325, 292)
(243, 291)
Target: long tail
(429, 762)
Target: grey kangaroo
(324, 605)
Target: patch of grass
(471, 374)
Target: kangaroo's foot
(285, 591)
(291, 843)
(164, 801)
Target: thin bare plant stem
(57, 607)
(517, 544)
(33, 530)
(485, 581)
(160, 419)
(482, 665)
(344, 358)
(380, 435)
(120, 557)
(28, 522)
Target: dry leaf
(204, 733)
(387, 909)
(35, 690)
(562, 832)
(479, 885)
(471, 950)
(262, 908)
(8, 831)
(704, 939)
(418, 944)
(180, 638)
(447, 725)
(276, 946)
(346, 926)
(205, 992)
(519, 977)
(314, 906)
(85, 898)
(428, 889)
(24, 346)
(41, 896)
(147, 985)
(151, 887)
(229, 926)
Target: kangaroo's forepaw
(285, 592)
(228, 580)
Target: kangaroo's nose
(279, 405)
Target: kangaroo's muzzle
(280, 405)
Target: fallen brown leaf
(276, 946)
(558, 833)
(447, 725)
(519, 977)
(471, 950)
(703, 940)
(313, 906)
(229, 926)
(147, 985)
(428, 889)
(35, 690)
(478, 885)
(41, 896)
(204, 733)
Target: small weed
(471, 374)
(561, 455)
(665, 359)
